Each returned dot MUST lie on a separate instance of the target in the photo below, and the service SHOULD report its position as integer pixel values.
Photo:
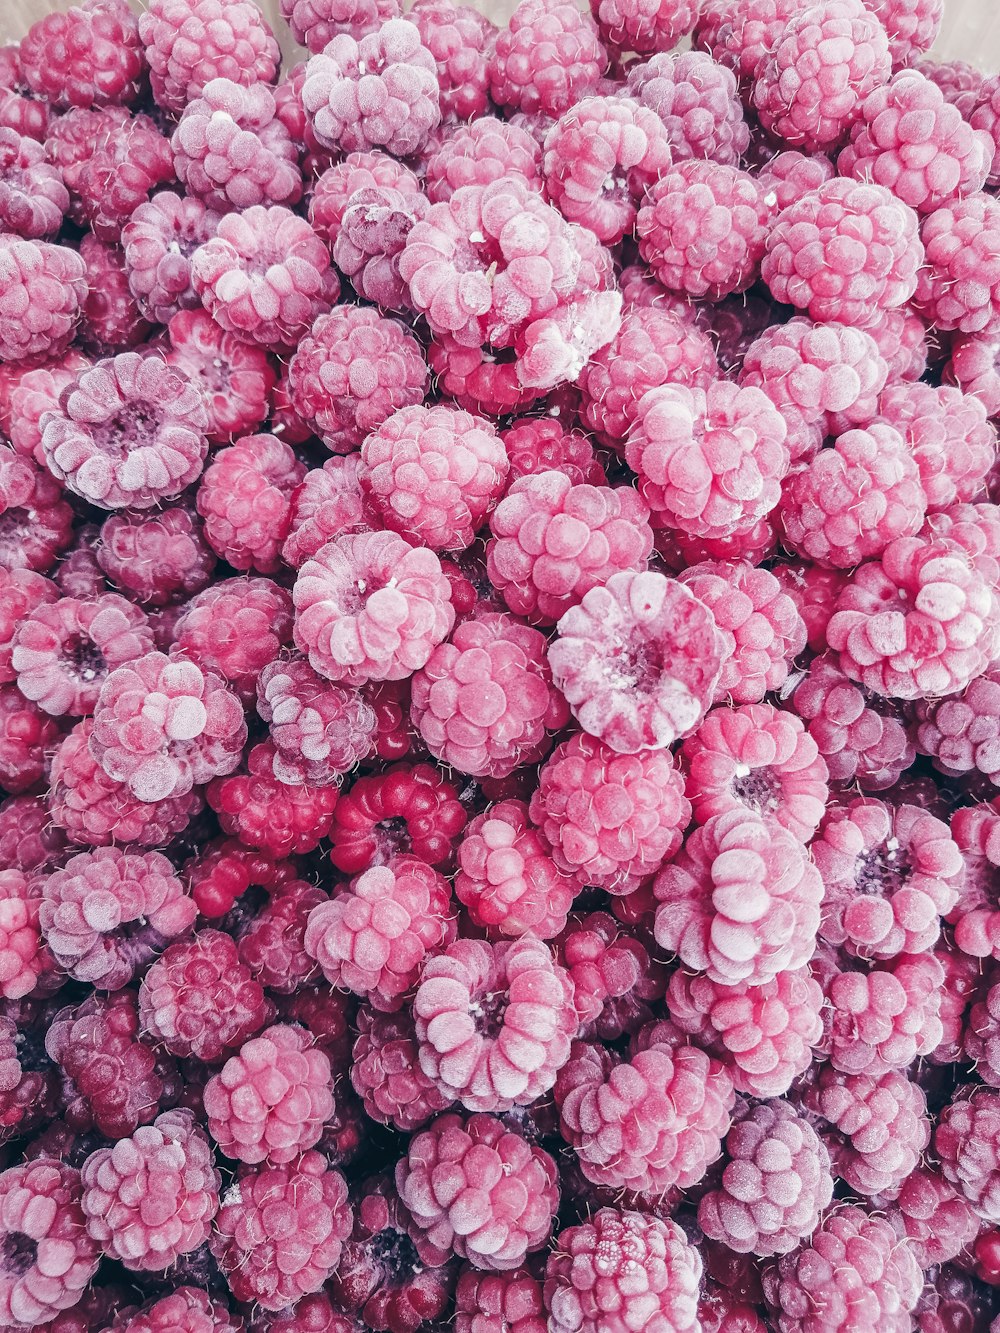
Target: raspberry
(225, 869)
(460, 40)
(702, 229)
(980, 1044)
(190, 42)
(638, 661)
(960, 732)
(546, 59)
(965, 1142)
(280, 1231)
(939, 1223)
(918, 621)
(312, 1314)
(379, 91)
(268, 1103)
(48, 1258)
(264, 275)
(28, 1083)
(244, 499)
(236, 628)
(974, 366)
(272, 946)
(860, 738)
(27, 738)
(850, 502)
(234, 378)
(35, 520)
(371, 607)
(386, 1073)
(112, 321)
(78, 574)
(319, 730)
(698, 102)
(958, 287)
(158, 240)
(480, 152)
(479, 379)
(262, 811)
(985, 117)
(315, 23)
(29, 841)
(371, 240)
(30, 393)
(948, 435)
(538, 444)
(33, 198)
(741, 37)
(231, 150)
(883, 1018)
(338, 185)
(974, 829)
(484, 702)
(20, 108)
(653, 347)
(647, 1124)
(64, 650)
(555, 541)
(959, 81)
(861, 237)
(90, 56)
(96, 811)
(107, 913)
(197, 999)
(514, 1297)
(473, 1185)
(507, 879)
(852, 1274)
(613, 976)
(403, 809)
(43, 290)
(791, 174)
(330, 502)
(912, 26)
(25, 961)
(373, 937)
(156, 558)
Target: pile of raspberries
(499, 670)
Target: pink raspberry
(554, 541)
(627, 25)
(265, 275)
(460, 39)
(638, 661)
(473, 1185)
(513, 1297)
(236, 628)
(27, 738)
(610, 819)
(974, 365)
(902, 339)
(336, 186)
(371, 241)
(156, 558)
(386, 1072)
(702, 228)
(959, 732)
(78, 574)
(184, 1310)
(379, 91)
(860, 237)
(330, 502)
(373, 937)
(883, 1018)
(20, 108)
(648, 1124)
(112, 321)
(480, 152)
(977, 924)
(244, 499)
(484, 702)
(494, 1021)
(371, 607)
(698, 102)
(912, 26)
(982, 1035)
(539, 444)
(268, 1103)
(64, 650)
(939, 1223)
(43, 289)
(90, 56)
(158, 240)
(315, 23)
(958, 286)
(958, 80)
(190, 42)
(35, 519)
(30, 392)
(985, 117)
(25, 960)
(614, 979)
(948, 435)
(272, 945)
(791, 174)
(280, 1231)
(965, 1142)
(33, 198)
(48, 1257)
(267, 813)
(29, 840)
(546, 59)
(234, 378)
(403, 809)
(107, 913)
(197, 999)
(918, 621)
(852, 1274)
(319, 730)
(479, 379)
(741, 37)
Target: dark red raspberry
(272, 946)
(48, 280)
(156, 558)
(327, 1015)
(330, 502)
(29, 841)
(262, 811)
(223, 871)
(404, 809)
(234, 378)
(236, 628)
(314, 1313)
(27, 738)
(320, 730)
(512, 1299)
(244, 500)
(698, 102)
(158, 240)
(547, 57)
(479, 379)
(190, 42)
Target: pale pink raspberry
(36, 521)
(741, 901)
(42, 291)
(974, 365)
(371, 607)
(461, 40)
(791, 174)
(859, 237)
(547, 57)
(380, 91)
(475, 1186)
(320, 730)
(268, 1103)
(190, 42)
(644, 26)
(158, 240)
(939, 1223)
(314, 23)
(741, 37)
(33, 198)
(373, 937)
(884, 1018)
(648, 1123)
(709, 462)
(330, 502)
(948, 435)
(371, 241)
(494, 1022)
(958, 286)
(25, 960)
(478, 153)
(541, 444)
(244, 499)
(386, 1073)
(958, 80)
(829, 57)
(235, 628)
(638, 661)
(912, 26)
(554, 350)
(31, 392)
(919, 621)
(702, 229)
(169, 1160)
(338, 184)
(484, 702)
(698, 102)
(653, 347)
(965, 1142)
(610, 819)
(960, 732)
(902, 339)
(265, 275)
(759, 622)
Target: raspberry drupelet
(408, 809)
(948, 435)
(44, 287)
(156, 558)
(264, 812)
(883, 1018)
(479, 152)
(190, 42)
(236, 628)
(698, 102)
(35, 519)
(33, 198)
(235, 378)
(475, 1186)
(965, 1142)
(547, 57)
(386, 1073)
(158, 241)
(320, 730)
(958, 287)
(244, 500)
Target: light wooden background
(971, 29)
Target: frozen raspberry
(29, 840)
(975, 829)
(965, 1142)
(881, 1019)
(460, 39)
(234, 378)
(315, 23)
(35, 520)
(33, 198)
(190, 42)
(958, 287)
(265, 275)
(511, 1301)
(546, 58)
(64, 650)
(371, 607)
(156, 558)
(42, 291)
(628, 25)
(939, 1223)
(185, 1310)
(267, 813)
(494, 1022)
(78, 574)
(479, 379)
(27, 739)
(330, 502)
(272, 946)
(959, 732)
(741, 37)
(918, 621)
(337, 185)
(985, 117)
(236, 628)
(30, 392)
(371, 241)
(377, 91)
(697, 101)
(25, 961)
(974, 365)
(791, 174)
(320, 730)
(314, 1313)
(981, 1044)
(244, 499)
(158, 240)
(112, 321)
(614, 979)
(912, 26)
(386, 1072)
(89, 56)
(539, 444)
(484, 702)
(20, 107)
(480, 152)
(814, 590)
(268, 1103)
(475, 1186)
(281, 1229)
(959, 81)
(702, 228)
(199, 1000)
(853, 1274)
(403, 809)
(28, 1082)
(948, 435)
